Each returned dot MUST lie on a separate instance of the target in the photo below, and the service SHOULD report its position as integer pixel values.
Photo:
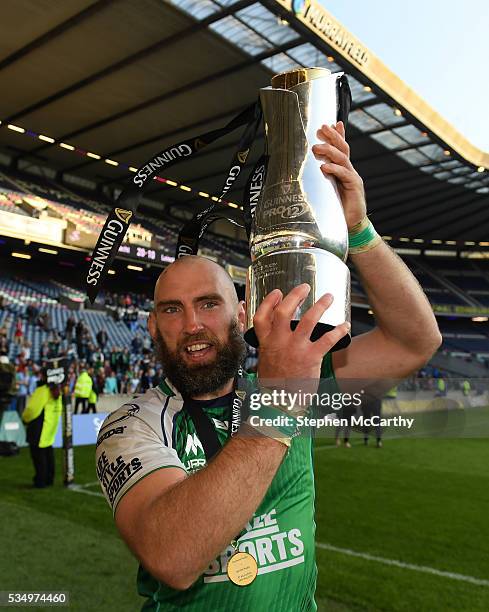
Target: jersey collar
(169, 389)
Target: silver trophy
(299, 234)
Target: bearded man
(219, 512)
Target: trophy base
(284, 270)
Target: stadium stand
(449, 283)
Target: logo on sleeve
(110, 433)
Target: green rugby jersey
(156, 432)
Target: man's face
(197, 327)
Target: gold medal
(242, 568)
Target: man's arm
(176, 533)
(407, 334)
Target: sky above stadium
(440, 48)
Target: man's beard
(200, 379)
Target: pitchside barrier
(409, 402)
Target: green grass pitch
(423, 503)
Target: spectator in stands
(147, 344)
(83, 388)
(19, 333)
(44, 350)
(32, 313)
(114, 358)
(2, 303)
(22, 381)
(124, 386)
(79, 328)
(34, 379)
(107, 368)
(127, 319)
(44, 321)
(111, 384)
(71, 354)
(137, 344)
(8, 385)
(102, 339)
(70, 325)
(124, 361)
(134, 377)
(4, 345)
(26, 349)
(147, 380)
(54, 344)
(42, 417)
(96, 357)
(83, 345)
(99, 381)
(71, 380)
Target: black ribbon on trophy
(125, 209)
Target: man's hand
(336, 155)
(286, 354)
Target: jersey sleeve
(128, 449)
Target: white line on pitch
(88, 484)
(79, 489)
(393, 562)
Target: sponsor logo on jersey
(273, 548)
(192, 465)
(220, 424)
(193, 445)
(110, 433)
(113, 475)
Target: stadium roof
(93, 89)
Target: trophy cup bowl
(299, 233)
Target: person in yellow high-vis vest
(83, 388)
(92, 402)
(42, 417)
